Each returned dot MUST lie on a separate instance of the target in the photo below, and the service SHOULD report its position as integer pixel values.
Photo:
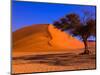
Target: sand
(43, 38)
(29, 62)
(53, 62)
(43, 48)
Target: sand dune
(43, 38)
(43, 48)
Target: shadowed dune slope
(43, 38)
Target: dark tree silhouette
(75, 26)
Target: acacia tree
(74, 25)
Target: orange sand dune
(63, 39)
(43, 38)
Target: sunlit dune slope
(63, 39)
(43, 38)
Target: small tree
(74, 25)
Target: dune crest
(43, 38)
(63, 39)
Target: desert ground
(53, 62)
(39, 49)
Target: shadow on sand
(64, 59)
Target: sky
(28, 13)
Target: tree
(75, 26)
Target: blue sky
(28, 13)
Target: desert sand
(43, 38)
(43, 48)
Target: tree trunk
(86, 51)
